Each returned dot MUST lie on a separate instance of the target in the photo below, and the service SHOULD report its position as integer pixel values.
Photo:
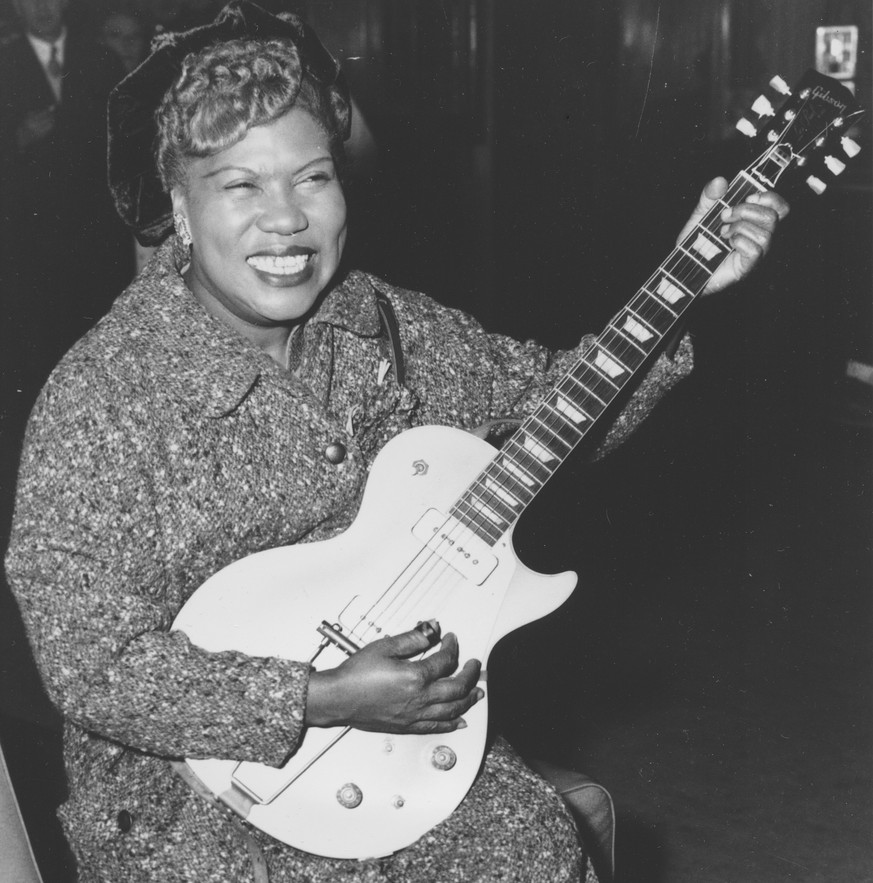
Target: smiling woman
(234, 401)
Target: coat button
(335, 452)
(125, 821)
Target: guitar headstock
(805, 128)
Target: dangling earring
(182, 230)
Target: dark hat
(133, 175)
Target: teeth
(280, 266)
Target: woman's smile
(292, 267)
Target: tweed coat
(165, 447)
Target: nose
(282, 214)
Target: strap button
(335, 453)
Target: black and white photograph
(436, 441)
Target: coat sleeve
(85, 566)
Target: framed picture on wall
(836, 51)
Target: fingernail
(462, 724)
(480, 694)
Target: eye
(317, 177)
(240, 185)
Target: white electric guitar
(432, 540)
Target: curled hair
(226, 89)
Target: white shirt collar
(43, 48)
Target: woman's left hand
(748, 227)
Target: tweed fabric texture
(165, 447)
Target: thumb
(710, 196)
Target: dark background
(534, 164)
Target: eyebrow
(313, 162)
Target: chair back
(17, 862)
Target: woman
(233, 401)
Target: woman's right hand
(381, 689)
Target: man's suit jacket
(64, 253)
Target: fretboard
(622, 353)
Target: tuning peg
(772, 136)
(835, 166)
(780, 86)
(852, 148)
(816, 185)
(762, 107)
(790, 115)
(746, 128)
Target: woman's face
(267, 218)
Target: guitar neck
(811, 125)
(622, 353)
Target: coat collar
(207, 362)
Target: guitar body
(272, 603)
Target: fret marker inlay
(490, 514)
(502, 494)
(544, 455)
(636, 330)
(607, 365)
(706, 247)
(569, 410)
(517, 471)
(670, 292)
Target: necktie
(55, 72)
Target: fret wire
(518, 485)
(699, 263)
(560, 421)
(534, 461)
(634, 343)
(534, 419)
(714, 238)
(642, 321)
(483, 480)
(502, 466)
(571, 393)
(524, 461)
(487, 499)
(612, 354)
(548, 441)
(676, 269)
(660, 303)
(579, 383)
(477, 522)
(688, 291)
(603, 375)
